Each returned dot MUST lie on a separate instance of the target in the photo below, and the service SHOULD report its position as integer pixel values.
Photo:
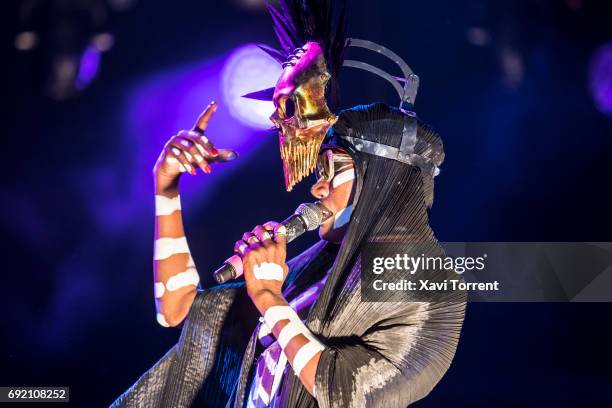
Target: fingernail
(207, 168)
(199, 158)
(214, 152)
(185, 143)
(212, 103)
(204, 139)
(188, 167)
(231, 156)
(182, 168)
(188, 156)
(176, 151)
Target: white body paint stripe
(261, 392)
(166, 206)
(290, 331)
(188, 278)
(268, 271)
(270, 362)
(343, 177)
(264, 331)
(162, 320)
(159, 289)
(343, 216)
(190, 262)
(166, 247)
(274, 314)
(278, 373)
(305, 354)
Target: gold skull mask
(301, 113)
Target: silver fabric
(405, 153)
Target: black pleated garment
(378, 354)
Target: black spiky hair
(299, 21)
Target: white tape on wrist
(268, 271)
(305, 354)
(343, 177)
(162, 320)
(166, 206)
(166, 247)
(290, 331)
(188, 278)
(275, 314)
(159, 289)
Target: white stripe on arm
(294, 328)
(170, 276)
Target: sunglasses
(331, 162)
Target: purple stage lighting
(600, 78)
(246, 70)
(88, 68)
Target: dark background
(508, 84)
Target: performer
(296, 333)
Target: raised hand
(188, 150)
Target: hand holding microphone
(307, 217)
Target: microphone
(307, 217)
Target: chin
(327, 233)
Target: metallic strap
(405, 153)
(408, 91)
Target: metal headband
(408, 91)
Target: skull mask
(301, 113)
